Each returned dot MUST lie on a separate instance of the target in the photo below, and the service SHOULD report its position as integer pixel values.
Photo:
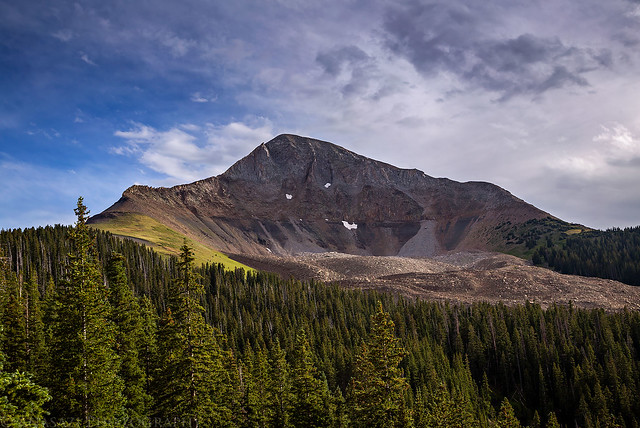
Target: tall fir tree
(13, 319)
(83, 364)
(376, 394)
(279, 387)
(129, 336)
(309, 393)
(35, 329)
(506, 416)
(191, 372)
(21, 399)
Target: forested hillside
(612, 254)
(99, 331)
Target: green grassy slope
(162, 239)
(523, 239)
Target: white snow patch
(269, 250)
(288, 196)
(350, 226)
(327, 185)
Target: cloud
(189, 152)
(197, 98)
(63, 35)
(607, 156)
(86, 59)
(458, 39)
(171, 152)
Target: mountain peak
(295, 194)
(296, 160)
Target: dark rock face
(296, 194)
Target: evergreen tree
(552, 421)
(147, 345)
(191, 372)
(439, 409)
(378, 385)
(309, 393)
(14, 321)
(129, 336)
(35, 330)
(279, 387)
(83, 366)
(21, 400)
(506, 416)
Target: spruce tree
(83, 367)
(376, 393)
(191, 374)
(308, 392)
(14, 321)
(21, 399)
(506, 416)
(35, 330)
(279, 387)
(129, 335)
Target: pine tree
(259, 399)
(552, 421)
(147, 345)
(279, 387)
(14, 321)
(83, 368)
(191, 372)
(129, 336)
(309, 393)
(35, 331)
(21, 399)
(377, 387)
(439, 409)
(506, 416)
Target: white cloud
(84, 57)
(63, 35)
(197, 98)
(187, 152)
(614, 147)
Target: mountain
(296, 194)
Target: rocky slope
(463, 277)
(296, 194)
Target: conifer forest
(101, 331)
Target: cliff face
(296, 194)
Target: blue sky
(541, 98)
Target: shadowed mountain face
(296, 194)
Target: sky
(539, 97)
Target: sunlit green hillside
(161, 238)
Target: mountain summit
(296, 194)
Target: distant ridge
(297, 194)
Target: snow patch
(350, 226)
(327, 185)
(269, 250)
(288, 196)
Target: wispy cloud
(196, 97)
(84, 57)
(63, 35)
(187, 152)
